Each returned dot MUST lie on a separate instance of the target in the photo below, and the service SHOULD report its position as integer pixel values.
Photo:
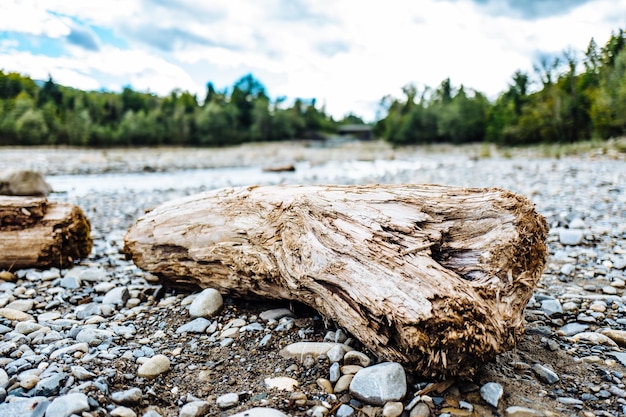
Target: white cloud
(29, 17)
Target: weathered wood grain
(36, 233)
(433, 277)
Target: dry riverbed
(91, 329)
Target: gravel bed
(105, 338)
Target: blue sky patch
(38, 45)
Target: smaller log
(36, 233)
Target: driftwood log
(36, 233)
(433, 277)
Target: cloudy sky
(346, 53)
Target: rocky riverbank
(104, 338)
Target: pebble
(421, 409)
(21, 305)
(260, 412)
(81, 373)
(300, 350)
(544, 374)
(153, 367)
(618, 336)
(198, 325)
(593, 338)
(7, 276)
(94, 337)
(355, 357)
(569, 401)
(551, 307)
(517, 411)
(609, 289)
(206, 304)
(70, 282)
(571, 329)
(17, 315)
(379, 383)
(227, 400)
(571, 236)
(275, 314)
(334, 372)
(117, 296)
(393, 409)
(122, 411)
(195, 409)
(343, 383)
(129, 396)
(344, 411)
(491, 392)
(81, 324)
(282, 383)
(27, 327)
(620, 356)
(325, 384)
(66, 405)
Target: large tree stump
(433, 277)
(35, 233)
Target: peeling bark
(433, 277)
(35, 233)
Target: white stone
(593, 338)
(195, 409)
(206, 303)
(491, 392)
(21, 305)
(12, 314)
(282, 383)
(66, 405)
(117, 297)
(379, 383)
(300, 350)
(260, 412)
(227, 400)
(571, 236)
(154, 367)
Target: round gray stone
(118, 296)
(379, 383)
(491, 392)
(571, 236)
(551, 307)
(129, 396)
(344, 411)
(94, 337)
(198, 325)
(67, 405)
(545, 374)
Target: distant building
(363, 132)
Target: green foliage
(569, 106)
(56, 115)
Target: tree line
(47, 113)
(578, 96)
